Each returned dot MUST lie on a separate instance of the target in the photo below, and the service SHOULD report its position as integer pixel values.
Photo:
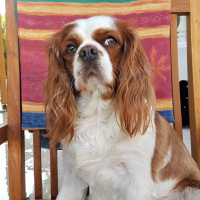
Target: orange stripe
(90, 5)
(28, 128)
(32, 107)
(32, 103)
(164, 104)
(154, 36)
(161, 104)
(96, 9)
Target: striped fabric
(39, 19)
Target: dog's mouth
(92, 70)
(92, 73)
(90, 78)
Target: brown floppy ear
(59, 99)
(135, 96)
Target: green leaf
(3, 25)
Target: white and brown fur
(103, 111)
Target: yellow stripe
(161, 31)
(78, 4)
(31, 34)
(161, 104)
(32, 103)
(164, 104)
(32, 107)
(93, 9)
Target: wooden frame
(175, 76)
(16, 154)
(193, 40)
(191, 10)
(3, 134)
(16, 135)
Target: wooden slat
(3, 134)
(175, 76)
(37, 164)
(190, 93)
(193, 34)
(16, 162)
(180, 6)
(2, 70)
(54, 172)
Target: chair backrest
(190, 10)
(15, 132)
(37, 20)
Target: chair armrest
(3, 134)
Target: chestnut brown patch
(59, 91)
(135, 96)
(181, 166)
(115, 52)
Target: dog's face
(98, 53)
(91, 52)
(97, 57)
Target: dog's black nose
(88, 53)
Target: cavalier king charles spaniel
(100, 102)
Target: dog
(100, 102)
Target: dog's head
(97, 54)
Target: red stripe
(34, 67)
(33, 70)
(142, 20)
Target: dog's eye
(110, 41)
(71, 49)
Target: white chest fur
(114, 165)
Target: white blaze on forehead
(86, 27)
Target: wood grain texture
(180, 6)
(190, 93)
(37, 164)
(16, 162)
(193, 27)
(3, 87)
(3, 134)
(175, 76)
(54, 172)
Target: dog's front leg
(73, 187)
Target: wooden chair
(15, 135)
